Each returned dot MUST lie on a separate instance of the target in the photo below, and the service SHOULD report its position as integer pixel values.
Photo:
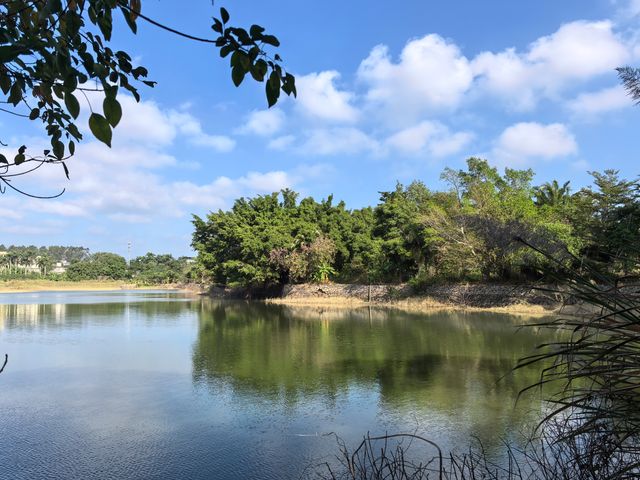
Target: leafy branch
(53, 50)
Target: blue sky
(387, 92)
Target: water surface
(153, 384)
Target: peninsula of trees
(469, 232)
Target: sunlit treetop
(54, 51)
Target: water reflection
(157, 385)
(75, 315)
(453, 363)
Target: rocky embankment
(480, 296)
(498, 297)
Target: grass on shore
(38, 285)
(417, 304)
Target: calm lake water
(152, 384)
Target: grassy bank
(416, 304)
(504, 298)
(15, 286)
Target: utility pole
(128, 254)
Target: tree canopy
(415, 234)
(52, 52)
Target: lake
(155, 384)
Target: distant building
(60, 267)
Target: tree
(44, 262)
(53, 51)
(397, 224)
(552, 194)
(630, 78)
(101, 265)
(607, 217)
(157, 269)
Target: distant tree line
(79, 264)
(468, 232)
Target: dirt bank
(493, 297)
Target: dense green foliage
(99, 265)
(76, 264)
(153, 269)
(414, 234)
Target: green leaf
(226, 50)
(72, 147)
(256, 31)
(237, 75)
(224, 14)
(5, 82)
(130, 21)
(35, 113)
(289, 85)
(259, 70)
(111, 91)
(140, 72)
(58, 149)
(271, 40)
(72, 104)
(273, 89)
(240, 59)
(112, 110)
(18, 159)
(105, 26)
(66, 170)
(100, 128)
(9, 53)
(16, 94)
(3, 159)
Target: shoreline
(414, 304)
(497, 298)
(33, 286)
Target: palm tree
(45, 262)
(552, 194)
(12, 258)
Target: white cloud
(31, 230)
(112, 184)
(145, 124)
(506, 74)
(219, 143)
(281, 143)
(334, 141)
(451, 144)
(319, 98)
(627, 9)
(431, 74)
(142, 122)
(429, 137)
(266, 182)
(522, 142)
(190, 127)
(264, 122)
(10, 210)
(413, 139)
(606, 100)
(577, 51)
(58, 207)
